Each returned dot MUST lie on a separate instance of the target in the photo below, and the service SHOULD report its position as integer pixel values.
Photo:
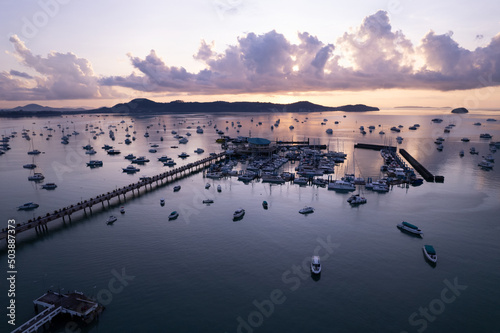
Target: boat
(199, 151)
(28, 206)
(329, 131)
(37, 176)
(122, 210)
(489, 158)
(265, 204)
(131, 169)
(430, 253)
(410, 228)
(473, 151)
(208, 201)
(461, 153)
(140, 160)
(130, 157)
(183, 140)
(34, 152)
(91, 152)
(219, 188)
(94, 163)
(112, 219)
(152, 150)
(162, 202)
(173, 215)
(238, 214)
(306, 210)
(164, 158)
(315, 265)
(177, 188)
(485, 136)
(485, 164)
(49, 186)
(341, 186)
(199, 130)
(169, 163)
(183, 155)
(207, 186)
(439, 147)
(356, 199)
(465, 139)
(29, 166)
(113, 152)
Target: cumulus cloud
(59, 76)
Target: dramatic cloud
(370, 56)
(60, 76)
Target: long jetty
(40, 223)
(429, 177)
(374, 147)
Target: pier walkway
(429, 177)
(40, 223)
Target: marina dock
(76, 304)
(40, 223)
(429, 177)
(374, 147)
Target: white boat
(341, 186)
(199, 151)
(238, 214)
(94, 163)
(329, 131)
(112, 219)
(177, 188)
(37, 176)
(356, 199)
(461, 153)
(113, 152)
(485, 164)
(430, 253)
(199, 130)
(219, 188)
(162, 202)
(315, 265)
(131, 169)
(183, 140)
(130, 157)
(49, 186)
(183, 155)
(489, 158)
(306, 210)
(169, 163)
(28, 206)
(122, 210)
(410, 228)
(29, 166)
(207, 186)
(208, 201)
(173, 215)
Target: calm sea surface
(205, 273)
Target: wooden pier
(40, 223)
(429, 177)
(76, 304)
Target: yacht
(199, 151)
(140, 160)
(341, 186)
(173, 215)
(306, 210)
(29, 166)
(315, 265)
(130, 157)
(37, 176)
(208, 201)
(131, 169)
(113, 152)
(112, 219)
(164, 158)
(34, 152)
(356, 199)
(430, 253)
(177, 188)
(219, 188)
(169, 163)
(162, 202)
(49, 186)
(94, 163)
(122, 210)
(238, 214)
(410, 228)
(485, 164)
(183, 155)
(28, 206)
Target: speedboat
(28, 206)
(430, 253)
(173, 215)
(208, 201)
(315, 265)
(219, 188)
(264, 204)
(356, 199)
(112, 219)
(131, 169)
(177, 188)
(207, 186)
(49, 186)
(122, 210)
(306, 210)
(410, 228)
(37, 176)
(162, 202)
(238, 214)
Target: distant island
(460, 110)
(146, 106)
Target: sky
(74, 53)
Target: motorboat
(485, 136)
(315, 265)
(164, 158)
(94, 163)
(465, 139)
(430, 253)
(28, 206)
(356, 199)
(122, 210)
(207, 186)
(183, 155)
(173, 215)
(113, 152)
(219, 188)
(410, 228)
(461, 153)
(341, 186)
(183, 140)
(49, 186)
(306, 210)
(439, 147)
(37, 176)
(34, 152)
(199, 151)
(265, 204)
(140, 160)
(162, 202)
(91, 152)
(112, 219)
(208, 201)
(199, 130)
(177, 188)
(131, 169)
(238, 214)
(152, 150)
(485, 164)
(473, 151)
(169, 163)
(329, 131)
(130, 157)
(489, 158)
(107, 147)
